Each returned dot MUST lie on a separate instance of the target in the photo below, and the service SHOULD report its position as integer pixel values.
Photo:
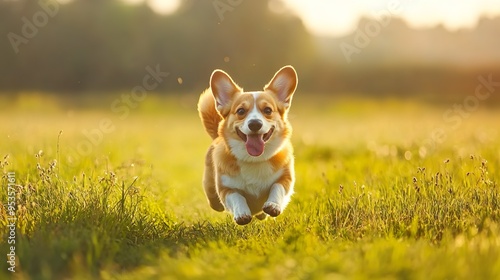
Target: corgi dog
(249, 168)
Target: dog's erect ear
(223, 88)
(283, 84)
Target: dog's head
(255, 123)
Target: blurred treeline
(105, 46)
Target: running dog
(249, 168)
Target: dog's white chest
(254, 178)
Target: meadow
(386, 189)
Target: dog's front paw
(243, 219)
(272, 209)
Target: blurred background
(426, 49)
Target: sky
(340, 17)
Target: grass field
(378, 196)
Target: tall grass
(364, 208)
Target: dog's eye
(268, 111)
(240, 111)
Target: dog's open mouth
(255, 142)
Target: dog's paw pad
(243, 220)
(261, 216)
(272, 209)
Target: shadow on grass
(91, 223)
(63, 249)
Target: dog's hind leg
(209, 183)
(261, 216)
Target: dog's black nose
(255, 125)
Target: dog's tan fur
(256, 180)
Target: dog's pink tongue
(255, 145)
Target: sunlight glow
(164, 6)
(159, 6)
(338, 18)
